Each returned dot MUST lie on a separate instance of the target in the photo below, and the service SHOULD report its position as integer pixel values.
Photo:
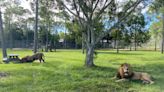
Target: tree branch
(68, 9)
(95, 5)
(74, 3)
(83, 10)
(94, 8)
(104, 7)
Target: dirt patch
(3, 75)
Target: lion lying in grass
(125, 73)
(37, 56)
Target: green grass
(64, 71)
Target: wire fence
(72, 45)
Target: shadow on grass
(94, 68)
(118, 53)
(68, 50)
(102, 68)
(152, 59)
(55, 65)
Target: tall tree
(116, 35)
(158, 7)
(12, 9)
(46, 15)
(73, 29)
(92, 12)
(155, 32)
(36, 28)
(2, 37)
(136, 25)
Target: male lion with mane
(125, 72)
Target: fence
(73, 45)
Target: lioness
(125, 72)
(37, 56)
(26, 59)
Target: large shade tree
(89, 13)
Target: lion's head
(126, 68)
(125, 71)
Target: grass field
(64, 71)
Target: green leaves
(156, 29)
(157, 6)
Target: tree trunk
(55, 49)
(115, 43)
(89, 56)
(46, 47)
(27, 44)
(55, 46)
(162, 44)
(117, 46)
(11, 35)
(90, 43)
(48, 28)
(135, 46)
(36, 29)
(155, 48)
(2, 38)
(130, 47)
(135, 42)
(83, 45)
(65, 42)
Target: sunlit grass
(64, 71)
